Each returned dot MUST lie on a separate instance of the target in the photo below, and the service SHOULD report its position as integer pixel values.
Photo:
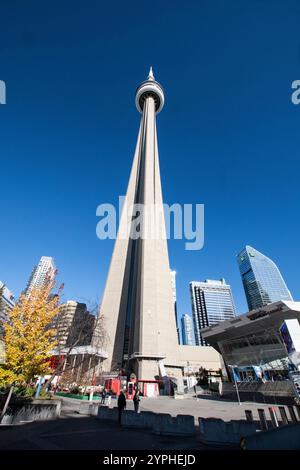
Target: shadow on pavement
(87, 433)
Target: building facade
(188, 338)
(45, 269)
(74, 325)
(74, 358)
(212, 302)
(7, 303)
(254, 349)
(262, 281)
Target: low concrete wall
(214, 430)
(93, 409)
(90, 409)
(37, 410)
(283, 438)
(211, 430)
(107, 414)
(143, 420)
(159, 423)
(181, 425)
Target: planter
(77, 397)
(33, 410)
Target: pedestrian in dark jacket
(103, 396)
(121, 405)
(136, 401)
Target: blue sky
(228, 135)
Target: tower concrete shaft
(137, 306)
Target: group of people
(104, 395)
(122, 402)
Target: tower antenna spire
(151, 76)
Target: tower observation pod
(150, 88)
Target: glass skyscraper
(173, 282)
(187, 330)
(263, 283)
(212, 302)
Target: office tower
(7, 303)
(45, 269)
(212, 302)
(173, 282)
(187, 330)
(137, 305)
(263, 283)
(74, 324)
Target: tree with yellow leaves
(29, 335)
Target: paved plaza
(197, 407)
(202, 407)
(74, 430)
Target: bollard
(283, 415)
(292, 414)
(262, 419)
(273, 416)
(249, 416)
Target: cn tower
(137, 306)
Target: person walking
(136, 401)
(121, 405)
(103, 396)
